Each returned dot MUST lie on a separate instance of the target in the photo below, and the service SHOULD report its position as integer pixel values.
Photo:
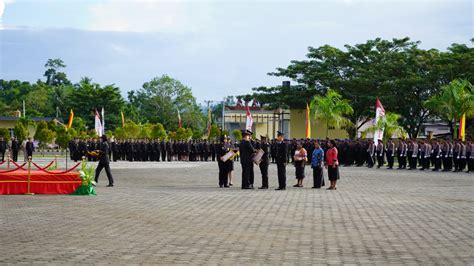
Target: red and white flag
(98, 124)
(249, 120)
(379, 113)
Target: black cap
(279, 133)
(263, 137)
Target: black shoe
(226, 186)
(296, 185)
(263, 188)
(231, 184)
(316, 187)
(281, 188)
(110, 185)
(329, 188)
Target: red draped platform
(53, 182)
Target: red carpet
(41, 182)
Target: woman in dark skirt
(317, 161)
(300, 159)
(332, 164)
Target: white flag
(98, 124)
(379, 112)
(249, 120)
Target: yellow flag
(308, 122)
(462, 127)
(71, 117)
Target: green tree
(63, 136)
(389, 124)
(237, 134)
(331, 109)
(79, 124)
(145, 131)
(87, 97)
(454, 100)
(158, 131)
(215, 132)
(54, 77)
(131, 130)
(21, 131)
(189, 133)
(43, 134)
(181, 134)
(159, 99)
(4, 133)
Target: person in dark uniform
(246, 151)
(15, 147)
(390, 153)
(30, 147)
(163, 150)
(82, 149)
(281, 160)
(370, 154)
(265, 147)
(380, 153)
(115, 147)
(470, 156)
(402, 154)
(3, 148)
(222, 149)
(104, 161)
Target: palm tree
(331, 109)
(389, 124)
(454, 100)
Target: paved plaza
(174, 213)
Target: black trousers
(437, 163)
(470, 165)
(281, 168)
(99, 168)
(318, 179)
(370, 160)
(462, 164)
(2, 154)
(252, 175)
(456, 161)
(390, 160)
(223, 173)
(447, 163)
(264, 171)
(380, 160)
(15, 155)
(246, 172)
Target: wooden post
(29, 177)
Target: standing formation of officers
(143, 150)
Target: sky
(218, 48)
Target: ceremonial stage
(40, 181)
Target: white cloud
(149, 16)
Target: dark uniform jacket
(281, 152)
(246, 151)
